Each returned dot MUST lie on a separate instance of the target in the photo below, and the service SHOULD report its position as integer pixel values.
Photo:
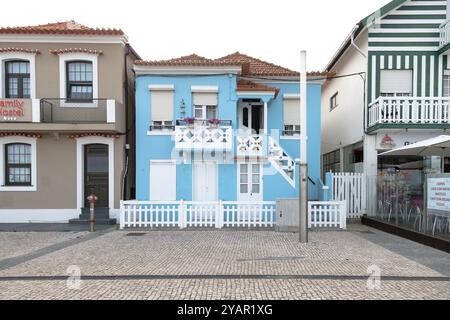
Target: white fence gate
(351, 188)
(187, 214)
(327, 214)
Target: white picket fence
(351, 188)
(188, 214)
(330, 214)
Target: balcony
(444, 31)
(409, 113)
(199, 135)
(250, 145)
(60, 115)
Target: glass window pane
(244, 188)
(255, 188)
(244, 168)
(211, 112)
(255, 178)
(244, 178)
(255, 168)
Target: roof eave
(362, 25)
(186, 70)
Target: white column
(370, 172)
(110, 111)
(35, 110)
(266, 129)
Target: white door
(205, 181)
(163, 181)
(250, 182)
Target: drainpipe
(127, 134)
(352, 39)
(354, 45)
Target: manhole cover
(136, 234)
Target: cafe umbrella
(438, 146)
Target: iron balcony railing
(204, 122)
(57, 110)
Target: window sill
(18, 188)
(160, 133)
(290, 137)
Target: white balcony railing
(250, 145)
(203, 137)
(409, 110)
(444, 31)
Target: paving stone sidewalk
(334, 265)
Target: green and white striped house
(401, 55)
(411, 37)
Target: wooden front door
(96, 174)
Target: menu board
(438, 195)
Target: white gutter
(352, 41)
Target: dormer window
(79, 81)
(17, 79)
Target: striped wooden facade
(407, 38)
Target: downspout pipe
(362, 53)
(127, 133)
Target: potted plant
(189, 122)
(214, 122)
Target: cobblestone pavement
(224, 265)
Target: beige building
(66, 122)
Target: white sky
(273, 30)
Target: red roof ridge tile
(188, 60)
(76, 50)
(70, 27)
(24, 50)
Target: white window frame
(446, 75)
(9, 56)
(16, 139)
(67, 57)
(204, 112)
(334, 98)
(242, 196)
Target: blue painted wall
(149, 147)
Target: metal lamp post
(303, 187)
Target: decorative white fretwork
(282, 161)
(203, 138)
(250, 145)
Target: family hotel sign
(15, 110)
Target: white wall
(344, 125)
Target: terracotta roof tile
(256, 67)
(66, 28)
(250, 66)
(24, 50)
(246, 85)
(190, 60)
(76, 50)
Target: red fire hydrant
(92, 200)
